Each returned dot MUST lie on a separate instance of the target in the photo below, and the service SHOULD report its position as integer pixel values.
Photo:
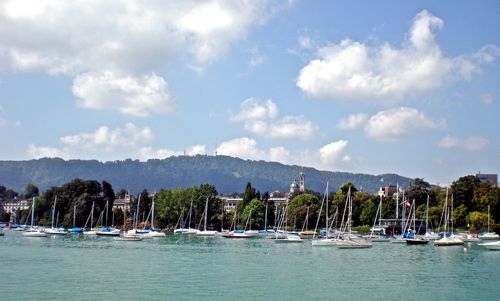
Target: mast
(74, 215)
(427, 215)
(326, 209)
(53, 212)
(107, 211)
(488, 219)
(190, 213)
(92, 215)
(32, 211)
(397, 200)
(265, 218)
(206, 212)
(451, 214)
(446, 212)
(57, 219)
(153, 213)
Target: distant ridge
(227, 174)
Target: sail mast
(32, 211)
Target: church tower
(302, 183)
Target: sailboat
(75, 230)
(428, 234)
(105, 231)
(205, 232)
(188, 230)
(284, 236)
(153, 233)
(348, 241)
(411, 238)
(91, 231)
(488, 235)
(447, 241)
(54, 230)
(377, 233)
(326, 240)
(305, 232)
(32, 232)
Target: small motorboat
(494, 245)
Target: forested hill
(227, 174)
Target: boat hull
(494, 246)
(417, 241)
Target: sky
(406, 87)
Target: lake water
(191, 268)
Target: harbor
(187, 267)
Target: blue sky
(410, 87)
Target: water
(191, 268)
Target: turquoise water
(191, 268)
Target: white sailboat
(32, 232)
(324, 241)
(489, 235)
(54, 230)
(377, 232)
(350, 242)
(91, 216)
(447, 241)
(284, 236)
(188, 230)
(205, 232)
(153, 233)
(492, 245)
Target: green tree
(297, 210)
(30, 191)
(463, 191)
(253, 214)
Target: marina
(187, 267)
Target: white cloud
(469, 144)
(148, 152)
(37, 152)
(260, 118)
(305, 42)
(352, 121)
(252, 108)
(132, 39)
(138, 96)
(327, 157)
(245, 148)
(353, 70)
(333, 153)
(108, 140)
(111, 144)
(394, 124)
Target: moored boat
(493, 245)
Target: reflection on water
(181, 267)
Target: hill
(227, 174)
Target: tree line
(471, 199)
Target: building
(388, 191)
(492, 179)
(11, 206)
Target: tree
(297, 209)
(253, 214)
(30, 191)
(248, 196)
(463, 191)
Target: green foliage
(30, 191)
(368, 212)
(253, 214)
(297, 210)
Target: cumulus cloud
(468, 144)
(327, 157)
(352, 121)
(108, 140)
(131, 95)
(252, 108)
(37, 152)
(134, 42)
(129, 141)
(353, 70)
(394, 124)
(260, 118)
